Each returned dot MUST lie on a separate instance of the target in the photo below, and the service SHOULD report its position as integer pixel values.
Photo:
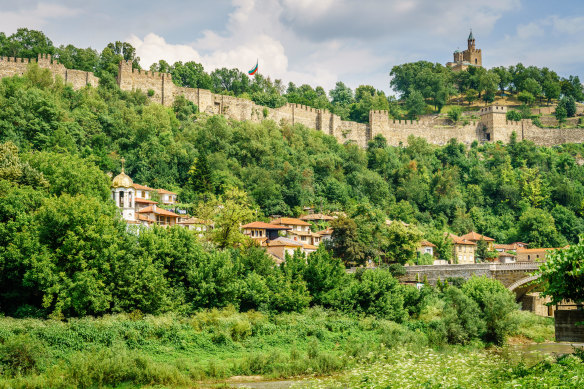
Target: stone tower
(469, 57)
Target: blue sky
(317, 42)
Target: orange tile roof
(304, 233)
(145, 201)
(194, 220)
(265, 226)
(145, 219)
(425, 243)
(158, 211)
(474, 236)
(141, 187)
(328, 231)
(459, 240)
(316, 216)
(284, 242)
(527, 251)
(505, 254)
(290, 220)
(164, 191)
(310, 247)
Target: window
(303, 238)
(121, 205)
(528, 257)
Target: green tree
(471, 96)
(562, 274)
(537, 227)
(402, 243)
(561, 115)
(345, 242)
(415, 105)
(526, 97)
(454, 114)
(513, 115)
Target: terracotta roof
(194, 220)
(310, 247)
(265, 226)
(290, 220)
(474, 236)
(145, 219)
(512, 246)
(504, 254)
(141, 187)
(459, 240)
(145, 201)
(304, 233)
(316, 216)
(164, 191)
(425, 243)
(158, 211)
(328, 231)
(284, 242)
(544, 249)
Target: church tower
(471, 42)
(469, 57)
(124, 195)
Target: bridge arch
(522, 282)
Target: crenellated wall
(10, 66)
(492, 126)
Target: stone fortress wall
(492, 125)
(10, 66)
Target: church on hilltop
(469, 57)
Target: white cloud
(34, 18)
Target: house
(510, 247)
(316, 217)
(166, 197)
(159, 216)
(195, 224)
(426, 247)
(507, 257)
(325, 234)
(299, 230)
(279, 247)
(263, 231)
(476, 237)
(534, 255)
(463, 249)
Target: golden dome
(122, 180)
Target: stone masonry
(492, 125)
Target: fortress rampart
(492, 125)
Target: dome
(122, 180)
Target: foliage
(562, 274)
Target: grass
(173, 351)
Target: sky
(318, 42)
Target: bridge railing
(476, 266)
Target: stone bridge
(517, 277)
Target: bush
(497, 305)
(150, 92)
(514, 115)
(21, 354)
(462, 317)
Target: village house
(426, 247)
(263, 231)
(510, 247)
(316, 217)
(166, 197)
(278, 248)
(159, 216)
(325, 234)
(534, 255)
(476, 237)
(299, 230)
(196, 224)
(505, 257)
(463, 250)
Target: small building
(279, 247)
(196, 224)
(143, 192)
(505, 257)
(159, 216)
(325, 234)
(476, 238)
(534, 255)
(166, 197)
(261, 230)
(299, 230)
(316, 217)
(463, 250)
(426, 247)
(509, 247)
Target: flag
(254, 70)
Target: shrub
(21, 354)
(462, 317)
(150, 92)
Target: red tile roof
(145, 201)
(291, 221)
(164, 191)
(141, 187)
(459, 240)
(158, 211)
(265, 226)
(425, 243)
(474, 236)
